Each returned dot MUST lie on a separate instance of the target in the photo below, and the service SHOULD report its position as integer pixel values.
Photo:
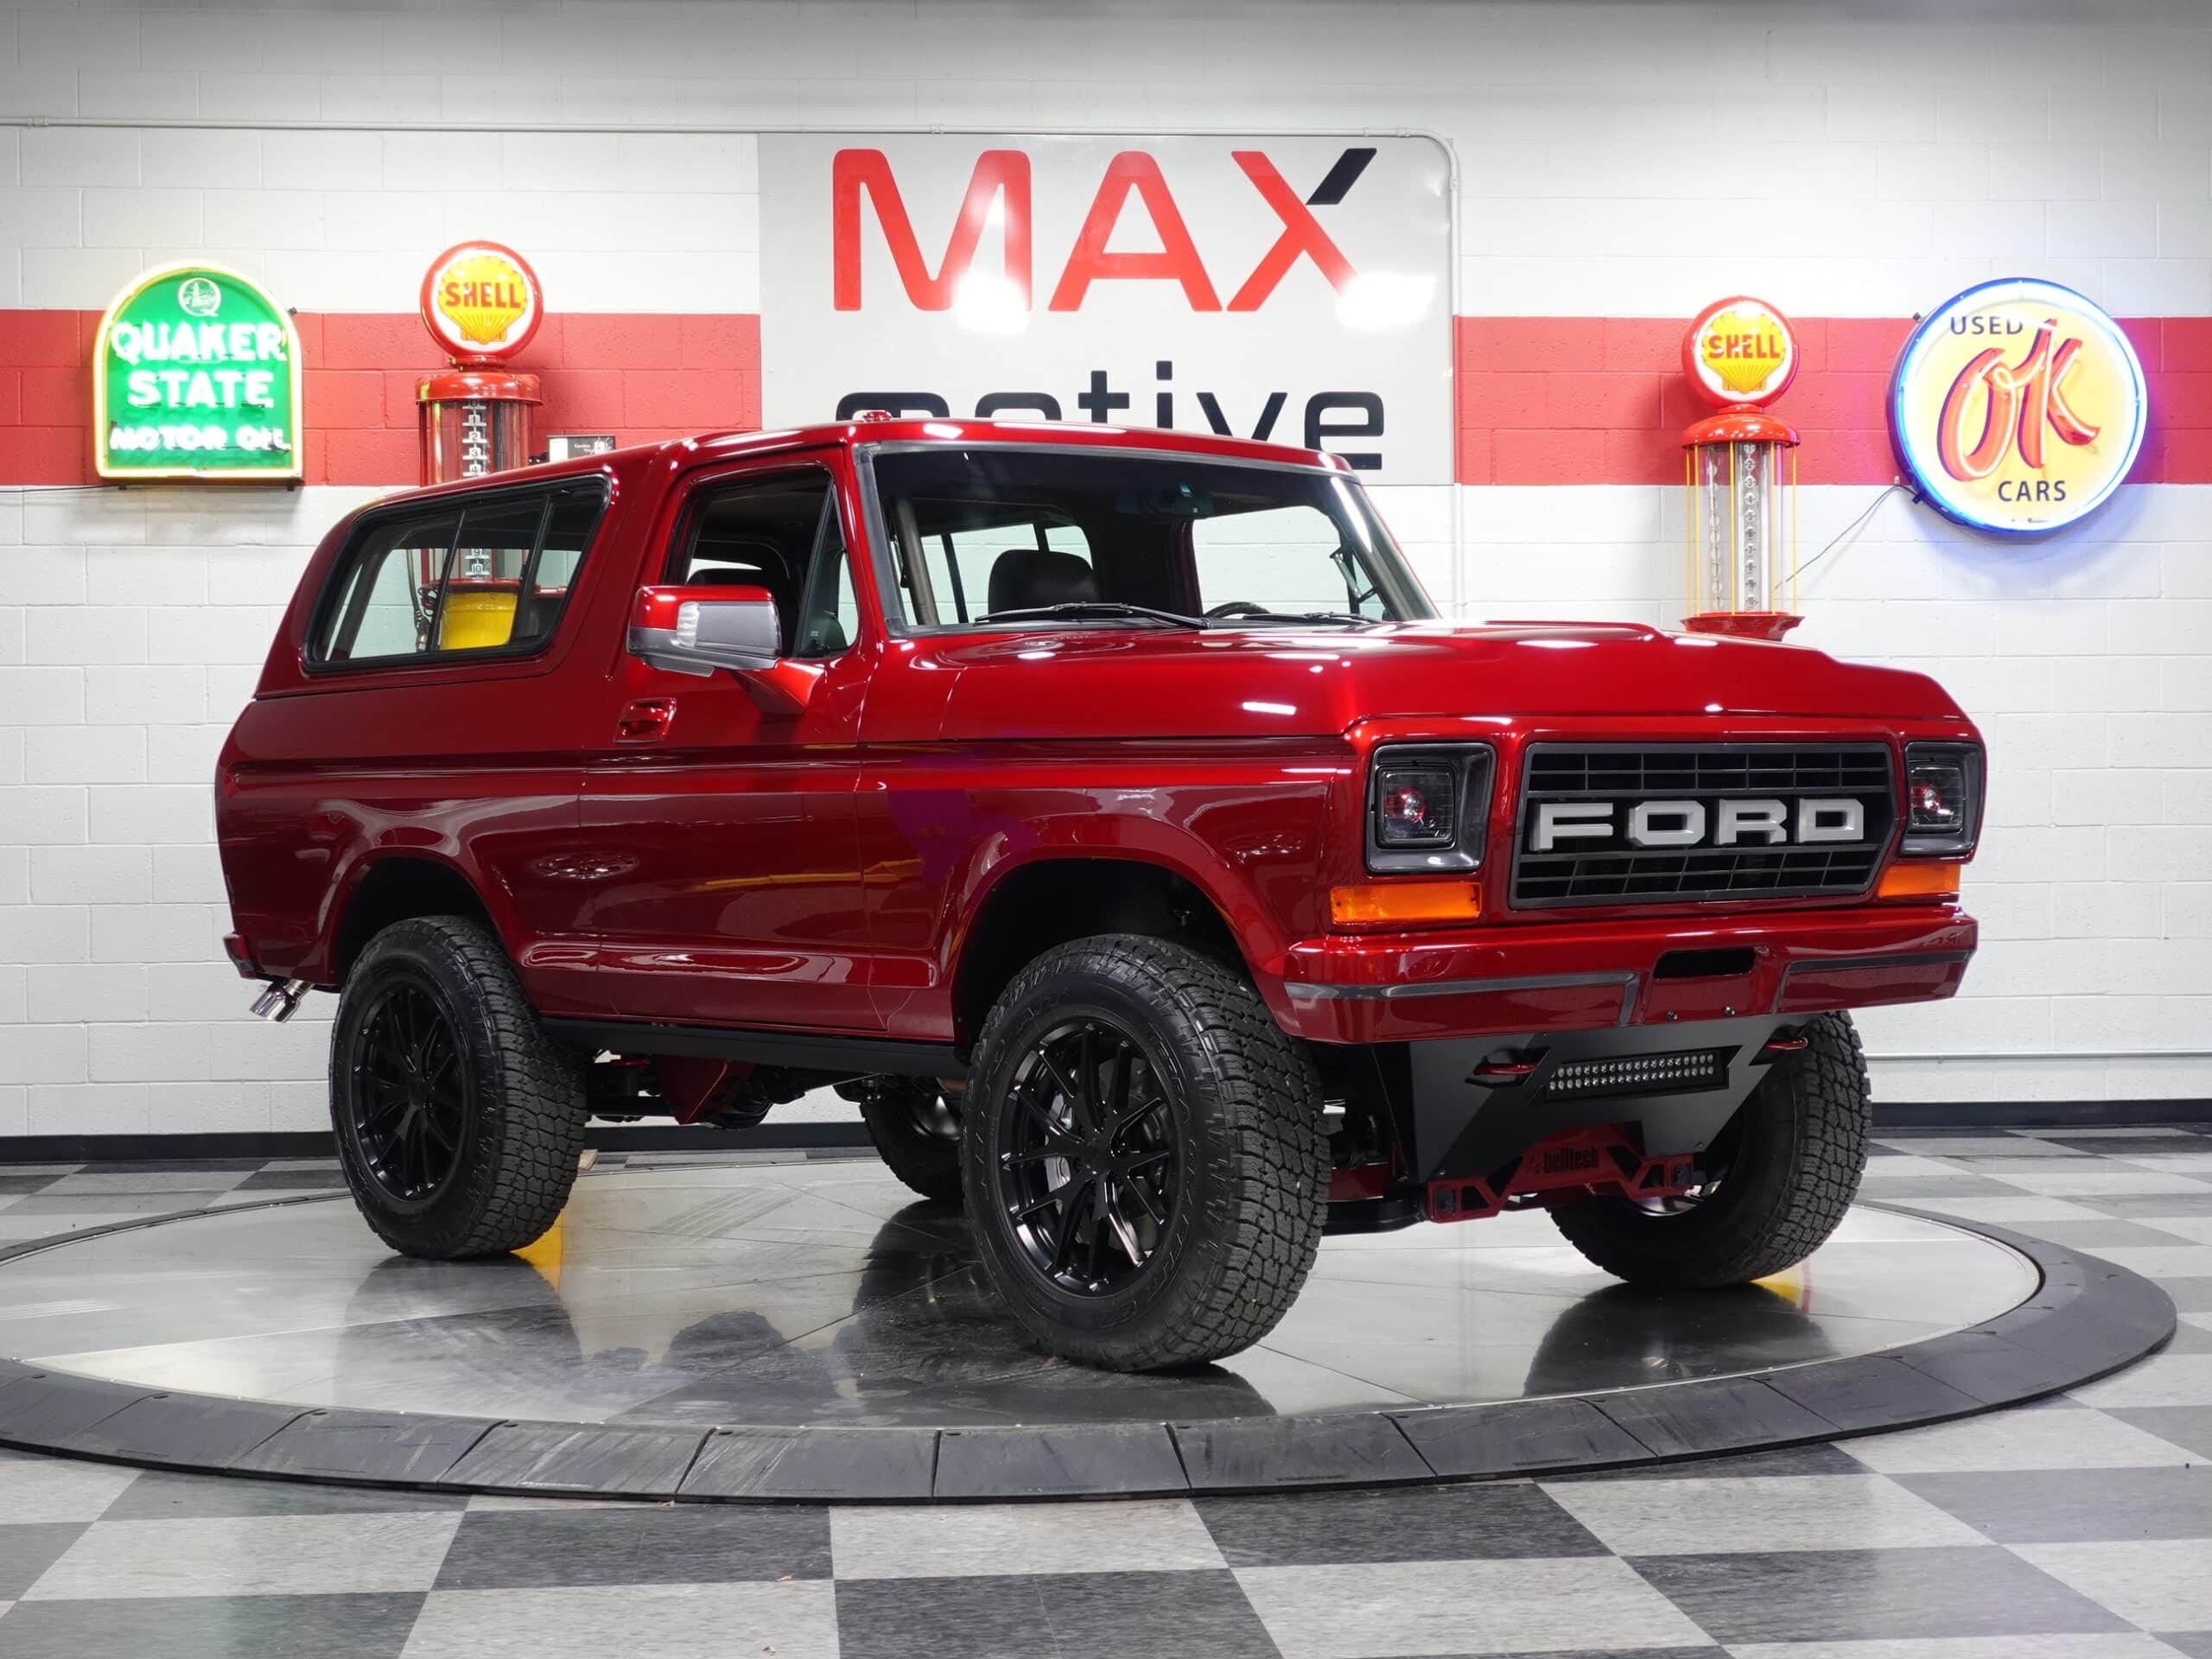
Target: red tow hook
(1502, 1070)
(1784, 1046)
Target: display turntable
(805, 1330)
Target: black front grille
(1594, 858)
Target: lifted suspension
(1596, 1160)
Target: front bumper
(1553, 977)
(1463, 1107)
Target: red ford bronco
(1108, 814)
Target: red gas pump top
(481, 303)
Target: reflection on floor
(2081, 1527)
(821, 1291)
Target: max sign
(1295, 290)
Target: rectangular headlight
(1427, 807)
(1942, 799)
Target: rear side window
(491, 577)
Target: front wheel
(459, 1121)
(1146, 1174)
(1784, 1172)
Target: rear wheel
(1146, 1174)
(1784, 1172)
(916, 1129)
(459, 1121)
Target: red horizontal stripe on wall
(1602, 400)
(639, 377)
(1541, 400)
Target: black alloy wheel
(1089, 1167)
(1147, 1176)
(459, 1121)
(410, 1098)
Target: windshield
(1030, 535)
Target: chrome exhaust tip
(280, 999)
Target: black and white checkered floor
(2077, 1528)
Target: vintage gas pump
(481, 303)
(1740, 474)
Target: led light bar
(1638, 1074)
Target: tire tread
(1825, 1118)
(928, 1165)
(1271, 1092)
(530, 1131)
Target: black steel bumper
(1463, 1107)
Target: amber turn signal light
(1406, 901)
(1938, 879)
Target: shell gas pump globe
(1739, 472)
(481, 303)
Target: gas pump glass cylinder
(475, 422)
(1712, 465)
(1742, 542)
(1755, 494)
(477, 435)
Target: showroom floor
(2072, 1528)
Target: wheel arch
(1037, 903)
(397, 887)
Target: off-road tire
(1798, 1149)
(523, 1129)
(927, 1162)
(1237, 1246)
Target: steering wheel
(1238, 608)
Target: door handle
(645, 721)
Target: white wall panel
(1593, 182)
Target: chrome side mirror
(697, 630)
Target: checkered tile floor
(2077, 1528)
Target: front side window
(1021, 535)
(488, 575)
(781, 533)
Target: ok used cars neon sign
(2018, 407)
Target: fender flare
(1135, 840)
(363, 861)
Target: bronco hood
(1143, 683)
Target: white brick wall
(131, 624)
(117, 1014)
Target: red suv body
(734, 747)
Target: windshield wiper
(1310, 616)
(1082, 609)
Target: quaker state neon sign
(2018, 407)
(196, 374)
